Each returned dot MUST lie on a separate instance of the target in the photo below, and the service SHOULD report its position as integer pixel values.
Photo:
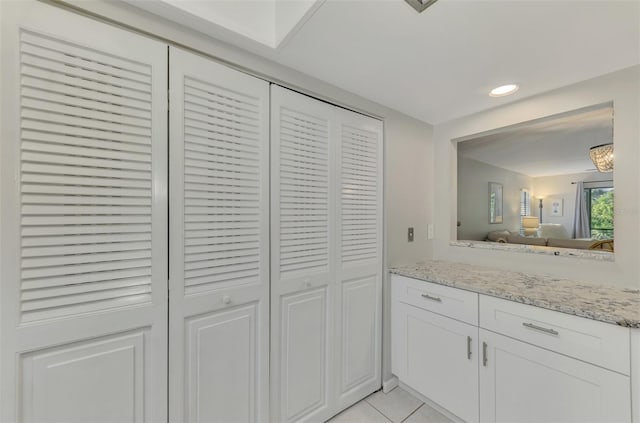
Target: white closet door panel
(359, 325)
(60, 383)
(305, 356)
(219, 196)
(358, 255)
(84, 224)
(302, 238)
(221, 378)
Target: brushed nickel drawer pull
(540, 328)
(469, 347)
(429, 297)
(484, 354)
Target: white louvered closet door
(219, 241)
(84, 225)
(302, 238)
(358, 256)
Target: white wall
(622, 88)
(473, 198)
(560, 186)
(408, 142)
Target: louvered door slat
(217, 103)
(37, 232)
(213, 116)
(78, 80)
(222, 272)
(83, 248)
(86, 279)
(82, 307)
(65, 290)
(84, 142)
(86, 169)
(207, 160)
(86, 132)
(219, 96)
(241, 134)
(82, 112)
(53, 63)
(88, 177)
(120, 66)
(83, 239)
(74, 150)
(40, 97)
(231, 151)
(132, 106)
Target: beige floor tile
(426, 414)
(361, 412)
(396, 405)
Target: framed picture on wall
(556, 207)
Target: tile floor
(397, 406)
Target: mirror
(544, 189)
(495, 202)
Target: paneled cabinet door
(358, 256)
(438, 357)
(523, 383)
(84, 220)
(302, 239)
(219, 205)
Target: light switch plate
(430, 231)
(410, 235)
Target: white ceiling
(257, 25)
(553, 146)
(440, 65)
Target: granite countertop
(620, 306)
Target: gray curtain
(581, 225)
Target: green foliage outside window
(601, 212)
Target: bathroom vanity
(491, 345)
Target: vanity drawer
(451, 302)
(595, 342)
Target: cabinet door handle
(484, 354)
(469, 347)
(540, 328)
(429, 297)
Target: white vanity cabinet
(540, 365)
(522, 382)
(434, 343)
(526, 363)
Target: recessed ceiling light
(503, 90)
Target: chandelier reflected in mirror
(602, 157)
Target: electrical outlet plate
(410, 235)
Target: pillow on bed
(498, 236)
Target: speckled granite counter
(604, 303)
